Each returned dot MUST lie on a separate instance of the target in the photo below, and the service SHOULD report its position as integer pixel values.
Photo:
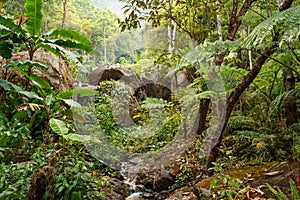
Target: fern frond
(207, 95)
(151, 103)
(294, 190)
(277, 103)
(288, 21)
(205, 52)
(34, 12)
(247, 134)
(241, 123)
(278, 193)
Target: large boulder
(58, 75)
(113, 72)
(150, 84)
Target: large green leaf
(78, 138)
(34, 11)
(6, 49)
(8, 85)
(39, 81)
(71, 44)
(70, 35)
(22, 65)
(71, 103)
(8, 23)
(5, 84)
(58, 127)
(84, 92)
(60, 51)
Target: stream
(134, 186)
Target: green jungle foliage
(37, 123)
(161, 126)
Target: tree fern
(154, 103)
(34, 12)
(288, 21)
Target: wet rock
(202, 193)
(148, 195)
(115, 196)
(182, 194)
(164, 180)
(164, 183)
(275, 174)
(119, 187)
(148, 183)
(162, 195)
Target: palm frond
(288, 21)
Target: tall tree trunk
(219, 23)
(203, 111)
(171, 35)
(246, 81)
(104, 46)
(231, 101)
(291, 101)
(64, 19)
(249, 51)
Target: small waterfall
(134, 196)
(130, 179)
(136, 191)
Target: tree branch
(235, 20)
